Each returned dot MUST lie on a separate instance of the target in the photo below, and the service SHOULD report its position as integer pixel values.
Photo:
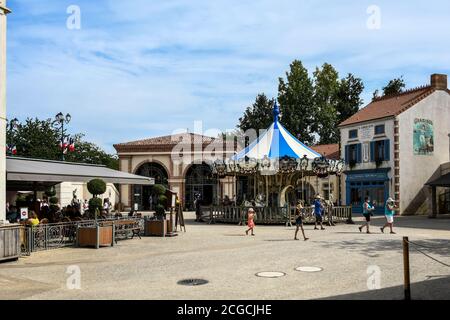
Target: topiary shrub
(159, 189)
(162, 200)
(95, 206)
(50, 192)
(53, 200)
(96, 187)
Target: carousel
(276, 170)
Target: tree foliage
(258, 115)
(348, 100)
(39, 139)
(326, 85)
(311, 109)
(295, 95)
(394, 86)
(96, 187)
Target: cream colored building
(186, 175)
(3, 12)
(66, 190)
(395, 145)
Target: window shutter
(347, 154)
(372, 151)
(386, 150)
(358, 153)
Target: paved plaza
(151, 267)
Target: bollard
(407, 284)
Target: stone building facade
(395, 145)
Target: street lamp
(303, 167)
(59, 122)
(11, 127)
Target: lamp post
(58, 123)
(303, 167)
(11, 126)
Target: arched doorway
(201, 181)
(143, 195)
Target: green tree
(295, 95)
(259, 115)
(348, 99)
(326, 86)
(36, 138)
(394, 86)
(89, 152)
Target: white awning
(47, 171)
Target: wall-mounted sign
(366, 132)
(423, 138)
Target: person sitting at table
(33, 220)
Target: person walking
(250, 221)
(367, 213)
(318, 212)
(299, 213)
(389, 211)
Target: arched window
(200, 182)
(154, 170)
(143, 195)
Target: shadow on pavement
(435, 289)
(433, 246)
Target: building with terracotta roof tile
(394, 146)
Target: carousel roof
(276, 142)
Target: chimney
(439, 81)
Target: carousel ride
(279, 169)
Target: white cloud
(149, 67)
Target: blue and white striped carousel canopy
(275, 143)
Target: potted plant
(159, 225)
(96, 235)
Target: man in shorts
(318, 212)
(389, 214)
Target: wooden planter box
(87, 236)
(10, 242)
(157, 227)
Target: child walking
(250, 221)
(389, 214)
(299, 220)
(367, 212)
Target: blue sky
(141, 68)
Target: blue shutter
(358, 153)
(386, 150)
(347, 154)
(372, 151)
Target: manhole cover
(270, 274)
(192, 282)
(309, 269)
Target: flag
(71, 145)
